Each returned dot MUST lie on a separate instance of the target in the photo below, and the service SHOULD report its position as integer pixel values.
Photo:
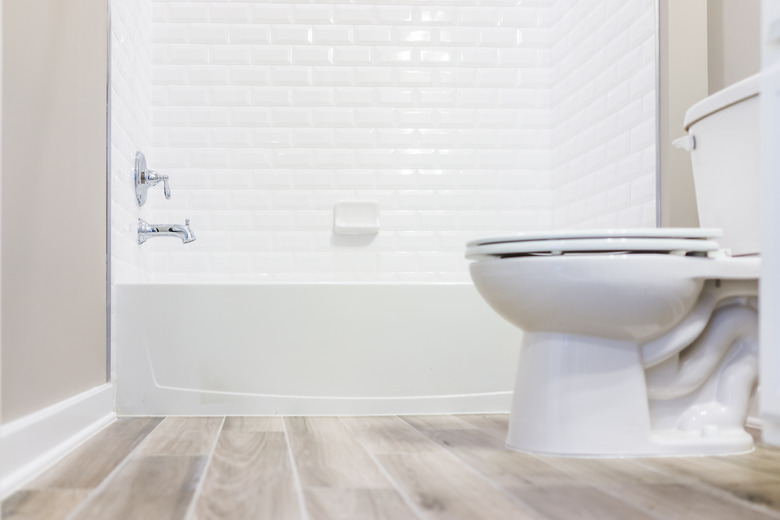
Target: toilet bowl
(641, 342)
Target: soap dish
(356, 217)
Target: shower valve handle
(151, 178)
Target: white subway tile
(311, 55)
(230, 55)
(271, 96)
(291, 34)
(331, 75)
(353, 14)
(250, 116)
(394, 55)
(244, 33)
(333, 117)
(289, 76)
(478, 57)
(314, 14)
(293, 158)
(265, 55)
(208, 75)
(271, 137)
(411, 35)
(368, 35)
(374, 76)
(485, 16)
(187, 12)
(207, 33)
(354, 137)
(230, 13)
(332, 35)
(439, 15)
(272, 13)
(186, 54)
(251, 75)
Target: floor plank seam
(482, 476)
(201, 482)
(105, 482)
(607, 491)
(409, 502)
(296, 476)
(719, 492)
(471, 425)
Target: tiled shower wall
(461, 119)
(266, 114)
(604, 113)
(131, 130)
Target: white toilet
(641, 342)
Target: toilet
(641, 342)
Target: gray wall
(53, 201)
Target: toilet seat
(678, 233)
(592, 246)
(642, 240)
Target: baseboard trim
(33, 443)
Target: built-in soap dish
(355, 217)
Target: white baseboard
(33, 443)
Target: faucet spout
(147, 231)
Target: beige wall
(734, 41)
(683, 81)
(53, 201)
(705, 45)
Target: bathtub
(310, 349)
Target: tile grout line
(296, 476)
(416, 510)
(484, 477)
(202, 480)
(104, 483)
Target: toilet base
(582, 396)
(673, 443)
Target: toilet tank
(725, 128)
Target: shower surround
(460, 119)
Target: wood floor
(419, 467)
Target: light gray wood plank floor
(411, 467)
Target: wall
(265, 115)
(54, 209)
(604, 114)
(452, 117)
(734, 42)
(683, 82)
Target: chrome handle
(151, 178)
(145, 178)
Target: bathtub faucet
(147, 231)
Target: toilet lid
(678, 233)
(591, 245)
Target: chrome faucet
(147, 231)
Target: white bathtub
(310, 349)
